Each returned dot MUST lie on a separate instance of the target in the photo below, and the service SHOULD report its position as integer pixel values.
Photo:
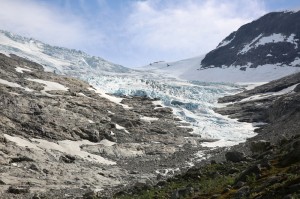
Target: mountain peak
(271, 39)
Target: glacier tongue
(191, 101)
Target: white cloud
(187, 28)
(135, 34)
(49, 24)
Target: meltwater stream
(193, 102)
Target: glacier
(192, 101)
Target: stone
(140, 186)
(242, 192)
(295, 188)
(235, 156)
(297, 88)
(2, 182)
(90, 195)
(292, 156)
(161, 183)
(233, 170)
(239, 184)
(18, 189)
(67, 159)
(259, 146)
(215, 196)
(33, 167)
(182, 193)
(213, 162)
(45, 171)
(36, 196)
(226, 190)
(290, 196)
(253, 170)
(134, 172)
(21, 159)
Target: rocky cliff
(271, 39)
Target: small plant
(251, 179)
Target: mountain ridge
(53, 58)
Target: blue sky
(135, 32)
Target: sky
(134, 33)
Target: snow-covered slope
(56, 59)
(180, 69)
(261, 51)
(190, 69)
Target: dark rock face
(235, 156)
(285, 52)
(18, 189)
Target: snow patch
(248, 46)
(149, 119)
(274, 38)
(296, 62)
(121, 128)
(50, 86)
(22, 142)
(20, 69)
(91, 121)
(269, 94)
(66, 146)
(251, 85)
(225, 42)
(116, 100)
(233, 74)
(110, 112)
(106, 142)
(14, 85)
